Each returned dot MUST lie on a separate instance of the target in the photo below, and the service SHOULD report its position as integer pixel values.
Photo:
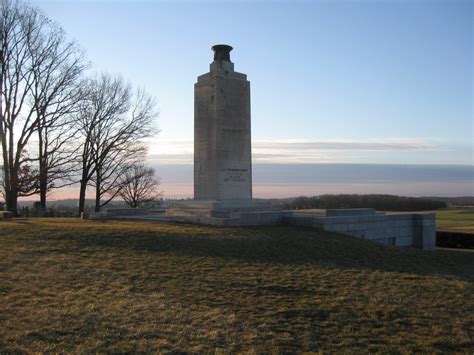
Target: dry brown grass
(455, 220)
(83, 286)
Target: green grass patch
(84, 286)
(456, 220)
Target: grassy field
(456, 220)
(82, 286)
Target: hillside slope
(83, 286)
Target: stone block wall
(402, 229)
(416, 230)
(125, 211)
(6, 216)
(424, 231)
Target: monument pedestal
(226, 212)
(216, 209)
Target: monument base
(216, 209)
(242, 212)
(393, 229)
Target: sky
(332, 82)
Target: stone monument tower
(222, 145)
(222, 140)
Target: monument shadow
(286, 245)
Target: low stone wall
(110, 212)
(402, 229)
(261, 218)
(416, 230)
(6, 216)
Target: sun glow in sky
(365, 82)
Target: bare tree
(28, 45)
(56, 93)
(19, 28)
(139, 186)
(112, 119)
(107, 180)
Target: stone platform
(235, 212)
(6, 216)
(216, 209)
(395, 229)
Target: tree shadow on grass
(280, 244)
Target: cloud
(170, 158)
(357, 145)
(285, 180)
(294, 150)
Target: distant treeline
(379, 202)
(454, 201)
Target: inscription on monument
(235, 175)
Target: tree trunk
(43, 184)
(97, 196)
(43, 173)
(12, 201)
(43, 188)
(82, 195)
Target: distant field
(461, 220)
(82, 286)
